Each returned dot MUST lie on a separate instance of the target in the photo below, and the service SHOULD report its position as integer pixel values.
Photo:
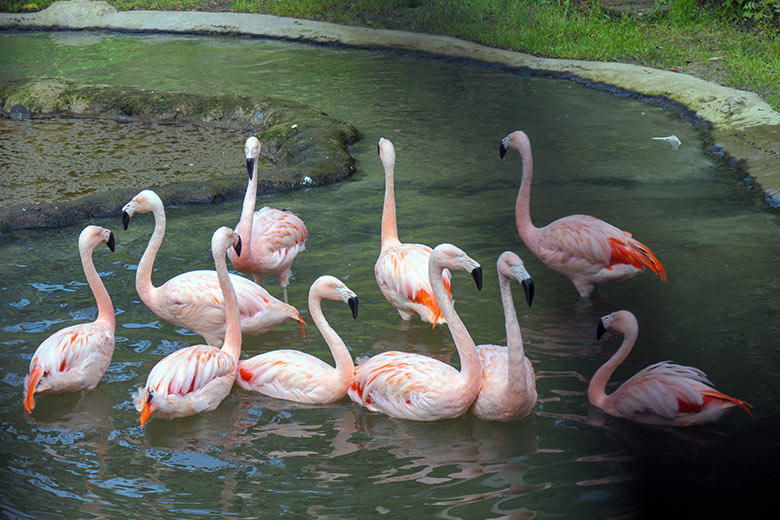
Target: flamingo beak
(528, 287)
(502, 149)
(600, 330)
(301, 325)
(32, 382)
(146, 412)
(353, 305)
(250, 165)
(111, 242)
(377, 146)
(237, 247)
(476, 273)
(125, 219)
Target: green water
(85, 456)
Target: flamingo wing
(402, 275)
(671, 392)
(593, 242)
(285, 374)
(281, 233)
(73, 358)
(403, 385)
(188, 370)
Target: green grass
(693, 36)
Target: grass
(691, 36)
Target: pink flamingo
(196, 379)
(585, 249)
(402, 269)
(301, 377)
(76, 357)
(411, 386)
(193, 300)
(273, 237)
(663, 393)
(508, 382)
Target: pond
(84, 455)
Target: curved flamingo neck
(598, 384)
(514, 338)
(345, 367)
(143, 276)
(470, 367)
(244, 227)
(525, 227)
(104, 305)
(389, 224)
(232, 343)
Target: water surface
(84, 455)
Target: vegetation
(732, 42)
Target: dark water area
(84, 455)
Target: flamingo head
(332, 288)
(91, 236)
(34, 382)
(145, 201)
(252, 153)
(619, 321)
(386, 152)
(511, 266)
(453, 258)
(517, 140)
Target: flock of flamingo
(494, 382)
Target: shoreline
(734, 123)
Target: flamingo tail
(634, 252)
(739, 402)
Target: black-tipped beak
(600, 330)
(528, 287)
(477, 275)
(250, 166)
(501, 150)
(125, 219)
(111, 242)
(237, 247)
(149, 397)
(353, 305)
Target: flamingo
(508, 382)
(402, 269)
(193, 300)
(273, 237)
(76, 357)
(196, 379)
(663, 393)
(585, 249)
(405, 385)
(301, 377)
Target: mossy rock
(302, 146)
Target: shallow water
(84, 455)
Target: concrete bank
(739, 122)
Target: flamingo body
(401, 270)
(585, 249)
(402, 275)
(663, 393)
(193, 300)
(297, 376)
(76, 357)
(196, 379)
(273, 237)
(411, 386)
(508, 390)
